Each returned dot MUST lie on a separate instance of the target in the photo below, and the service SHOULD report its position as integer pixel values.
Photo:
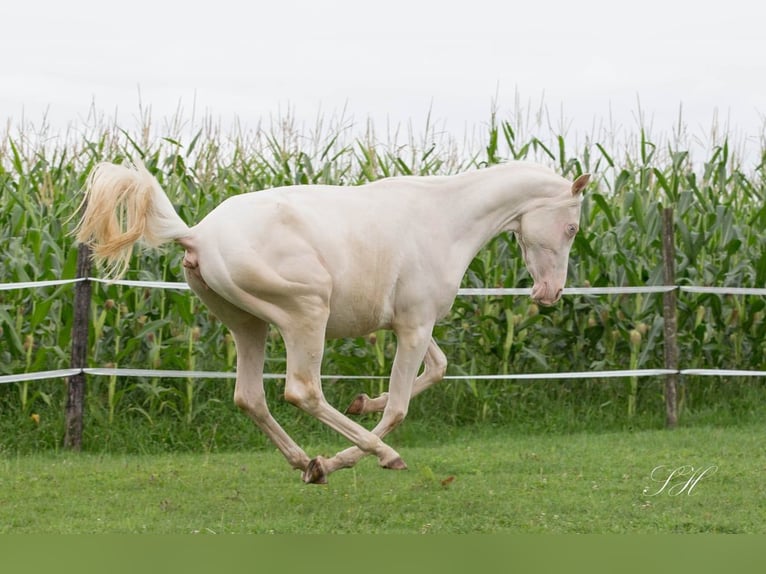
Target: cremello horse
(323, 261)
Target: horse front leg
(435, 366)
(410, 353)
(304, 341)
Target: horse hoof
(357, 405)
(315, 472)
(396, 464)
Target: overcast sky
(589, 61)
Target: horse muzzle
(543, 294)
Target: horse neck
(487, 202)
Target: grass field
(475, 480)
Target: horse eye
(571, 229)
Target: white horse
(324, 261)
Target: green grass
(474, 480)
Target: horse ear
(579, 184)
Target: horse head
(545, 233)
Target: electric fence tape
(158, 373)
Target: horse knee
(303, 396)
(439, 366)
(395, 415)
(440, 370)
(252, 407)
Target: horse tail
(124, 204)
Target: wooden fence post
(76, 383)
(669, 314)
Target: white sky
(589, 61)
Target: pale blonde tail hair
(122, 205)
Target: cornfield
(720, 214)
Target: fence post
(669, 314)
(76, 383)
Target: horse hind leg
(435, 366)
(250, 338)
(249, 395)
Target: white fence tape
(58, 374)
(159, 373)
(724, 290)
(575, 375)
(468, 291)
(154, 373)
(171, 374)
(150, 284)
(126, 282)
(230, 375)
(618, 290)
(501, 291)
(722, 373)
(34, 284)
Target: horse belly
(356, 312)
